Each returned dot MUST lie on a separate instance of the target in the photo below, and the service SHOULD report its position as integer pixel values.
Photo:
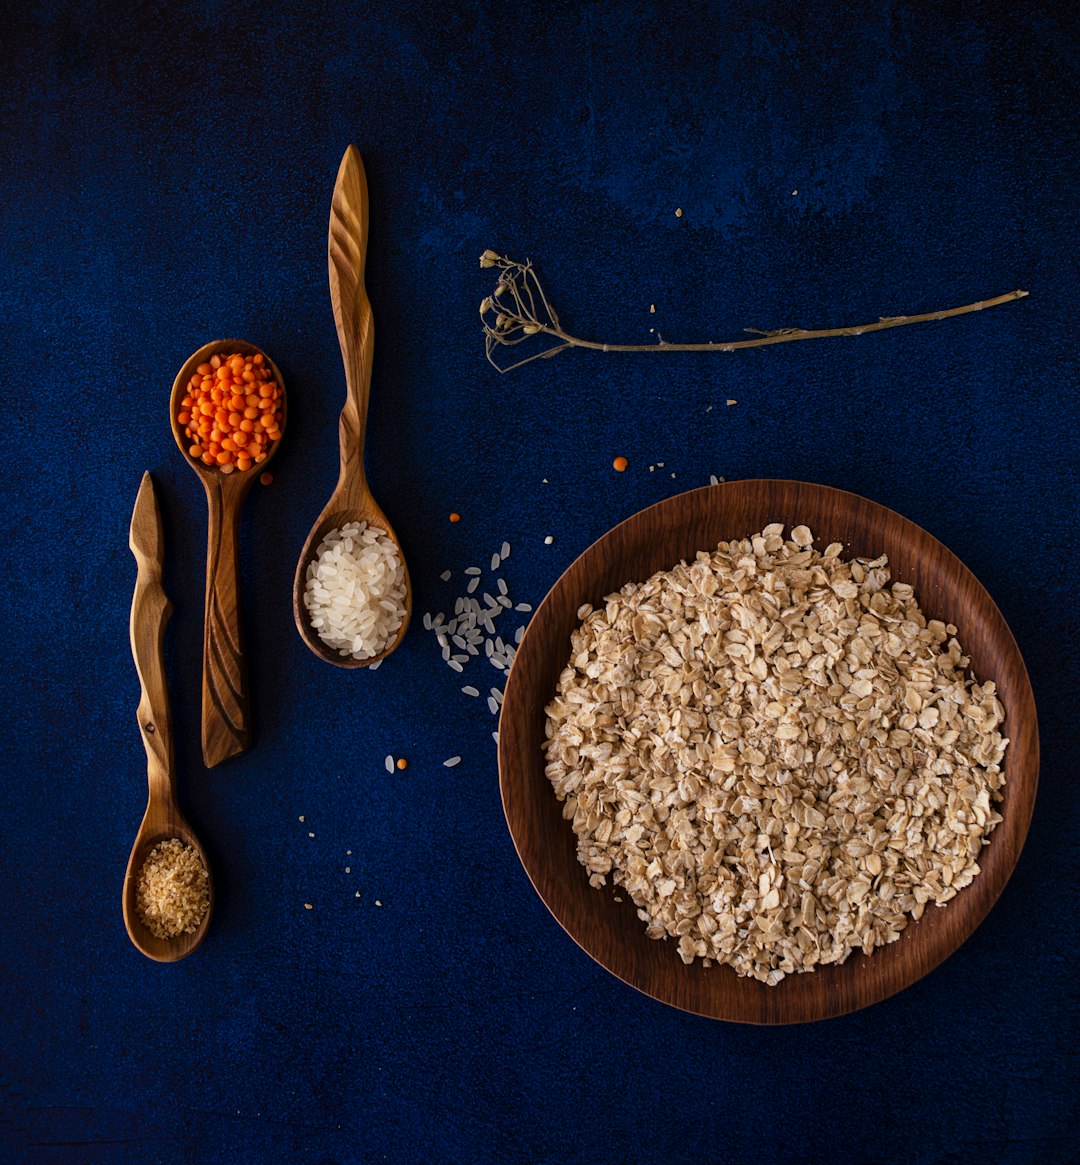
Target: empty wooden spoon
(226, 716)
(150, 610)
(351, 500)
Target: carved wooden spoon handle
(150, 611)
(352, 311)
(226, 720)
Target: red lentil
(231, 412)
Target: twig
(510, 316)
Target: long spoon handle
(352, 315)
(226, 717)
(150, 611)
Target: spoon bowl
(351, 500)
(333, 517)
(226, 718)
(161, 822)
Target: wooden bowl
(656, 539)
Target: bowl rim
(1021, 786)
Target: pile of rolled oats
(775, 753)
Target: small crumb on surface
(548, 540)
(652, 308)
(377, 902)
(389, 763)
(348, 869)
(308, 906)
(311, 835)
(678, 212)
(445, 576)
(301, 819)
(729, 403)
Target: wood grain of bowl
(656, 539)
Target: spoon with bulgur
(168, 892)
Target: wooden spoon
(351, 500)
(150, 610)
(226, 717)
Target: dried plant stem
(781, 337)
(511, 315)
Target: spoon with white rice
(351, 594)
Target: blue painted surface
(166, 179)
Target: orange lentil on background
(231, 412)
(402, 763)
(455, 517)
(619, 464)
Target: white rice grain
(354, 591)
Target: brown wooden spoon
(226, 715)
(351, 500)
(150, 610)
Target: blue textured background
(165, 173)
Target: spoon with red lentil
(352, 500)
(228, 417)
